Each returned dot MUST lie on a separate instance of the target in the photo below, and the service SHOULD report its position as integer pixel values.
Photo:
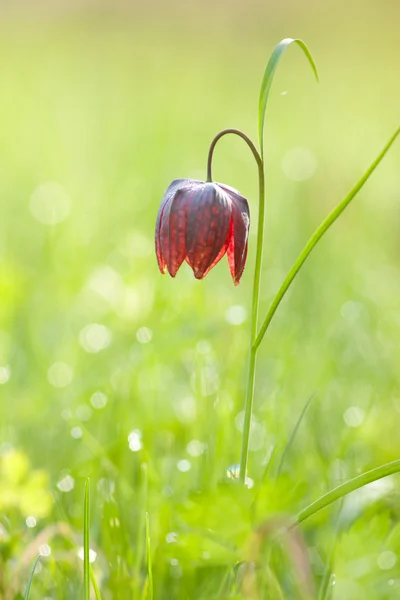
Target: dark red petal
(223, 250)
(173, 232)
(237, 247)
(171, 225)
(207, 228)
(168, 197)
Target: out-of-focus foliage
(106, 366)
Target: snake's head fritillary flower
(200, 222)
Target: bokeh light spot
(50, 203)
(135, 440)
(66, 484)
(354, 416)
(299, 164)
(95, 337)
(144, 335)
(98, 400)
(386, 560)
(236, 315)
(60, 374)
(5, 374)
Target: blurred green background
(111, 371)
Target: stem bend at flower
(256, 288)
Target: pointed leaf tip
(268, 78)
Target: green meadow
(113, 372)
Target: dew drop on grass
(171, 537)
(233, 472)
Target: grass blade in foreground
(346, 488)
(32, 573)
(325, 591)
(268, 77)
(149, 566)
(86, 542)
(317, 235)
(294, 432)
(94, 584)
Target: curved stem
(256, 290)
(317, 235)
(349, 486)
(234, 132)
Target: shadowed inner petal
(159, 253)
(237, 248)
(207, 228)
(223, 250)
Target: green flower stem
(346, 488)
(256, 290)
(317, 235)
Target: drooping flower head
(200, 222)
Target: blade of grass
(294, 432)
(317, 235)
(32, 573)
(346, 488)
(149, 566)
(325, 589)
(140, 537)
(86, 541)
(94, 584)
(268, 77)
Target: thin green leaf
(268, 77)
(140, 537)
(149, 566)
(317, 235)
(32, 573)
(86, 541)
(294, 432)
(346, 488)
(325, 588)
(94, 584)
